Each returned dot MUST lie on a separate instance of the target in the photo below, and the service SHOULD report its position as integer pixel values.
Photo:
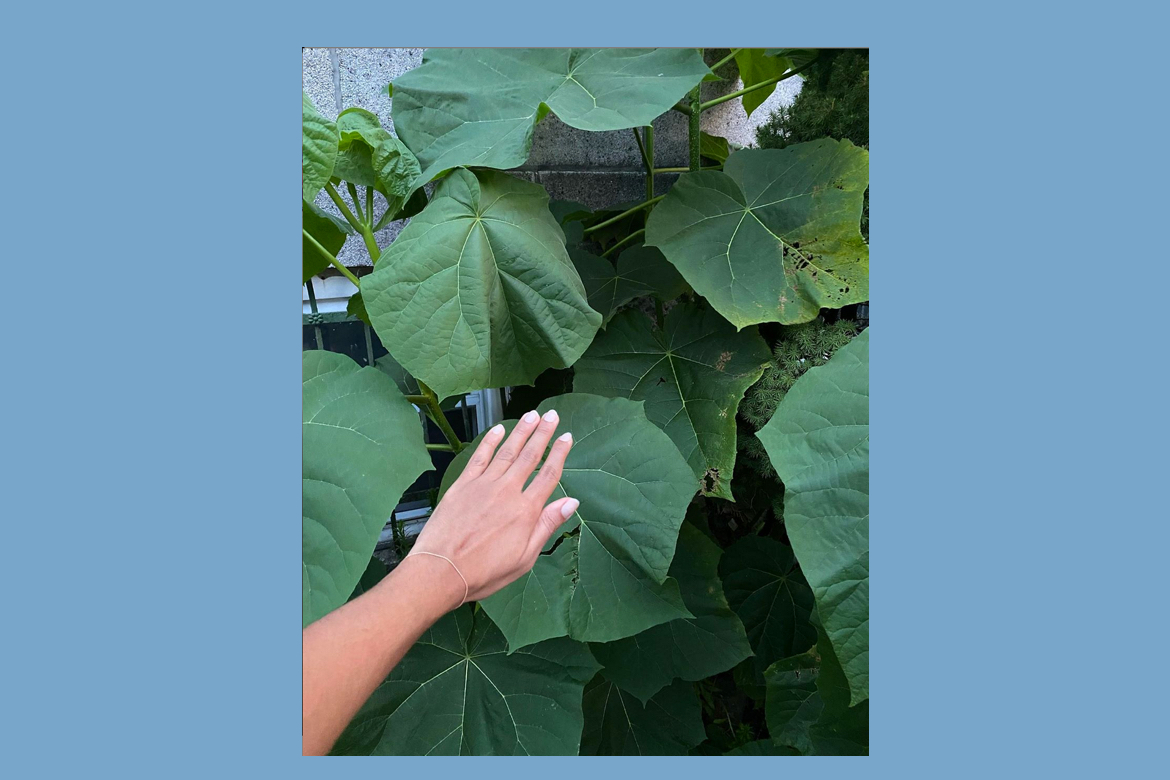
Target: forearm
(349, 652)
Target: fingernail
(496, 430)
(566, 436)
(569, 507)
(550, 415)
(530, 417)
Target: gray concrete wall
(597, 169)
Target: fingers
(513, 446)
(550, 473)
(533, 451)
(483, 453)
(552, 518)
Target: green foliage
(638, 631)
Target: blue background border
(1017, 402)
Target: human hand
(488, 524)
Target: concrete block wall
(597, 169)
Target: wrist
(437, 582)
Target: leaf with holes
(478, 290)
(617, 724)
(818, 440)
(318, 149)
(468, 106)
(712, 641)
(458, 692)
(793, 703)
(692, 377)
(361, 447)
(608, 578)
(640, 270)
(773, 237)
(766, 589)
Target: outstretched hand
(489, 525)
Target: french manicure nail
(569, 507)
(496, 430)
(531, 417)
(566, 436)
(550, 415)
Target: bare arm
(489, 527)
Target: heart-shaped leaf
(692, 377)
(318, 149)
(608, 578)
(469, 106)
(766, 589)
(775, 236)
(617, 724)
(478, 291)
(818, 440)
(755, 67)
(362, 446)
(640, 270)
(712, 641)
(458, 693)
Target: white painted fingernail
(569, 507)
(530, 417)
(566, 436)
(496, 430)
(550, 415)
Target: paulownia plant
(645, 627)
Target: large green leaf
(457, 692)
(608, 579)
(318, 149)
(478, 291)
(841, 730)
(775, 235)
(370, 156)
(818, 440)
(766, 589)
(793, 704)
(640, 270)
(712, 641)
(691, 376)
(467, 106)
(756, 67)
(361, 447)
(328, 230)
(617, 724)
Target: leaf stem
(342, 207)
(333, 260)
(694, 130)
(623, 215)
(417, 400)
(356, 205)
(753, 87)
(440, 448)
(433, 411)
(370, 205)
(725, 60)
(649, 162)
(684, 170)
(625, 240)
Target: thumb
(553, 517)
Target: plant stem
(440, 448)
(417, 400)
(642, 148)
(649, 162)
(625, 240)
(725, 60)
(433, 411)
(370, 204)
(313, 308)
(623, 215)
(682, 108)
(333, 260)
(356, 205)
(694, 129)
(752, 88)
(344, 209)
(684, 170)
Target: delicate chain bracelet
(466, 587)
